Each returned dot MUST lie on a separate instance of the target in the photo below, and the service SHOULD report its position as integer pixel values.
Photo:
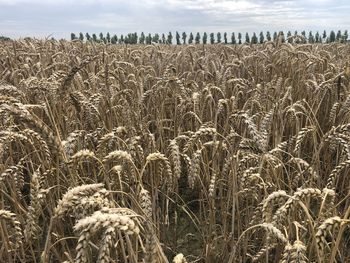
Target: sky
(58, 18)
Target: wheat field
(160, 153)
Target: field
(160, 153)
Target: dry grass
(215, 153)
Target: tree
(233, 39)
(311, 38)
(324, 35)
(281, 37)
(121, 39)
(81, 36)
(148, 39)
(303, 33)
(212, 39)
(102, 38)
(198, 38)
(73, 36)
(205, 38)
(338, 37)
(4, 38)
(190, 39)
(247, 38)
(184, 36)
(88, 37)
(268, 36)
(275, 36)
(94, 37)
(163, 38)
(218, 37)
(108, 37)
(142, 38)
(317, 38)
(169, 39)
(156, 38)
(114, 39)
(239, 38)
(297, 38)
(178, 38)
(134, 38)
(254, 39)
(289, 37)
(127, 39)
(345, 36)
(261, 38)
(332, 36)
(225, 38)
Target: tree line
(212, 38)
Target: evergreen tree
(324, 35)
(142, 38)
(148, 39)
(345, 36)
(108, 37)
(73, 36)
(268, 36)
(190, 39)
(198, 38)
(81, 36)
(297, 39)
(114, 39)
(261, 38)
(135, 38)
(121, 39)
(163, 38)
(332, 36)
(254, 39)
(247, 38)
(233, 39)
(317, 38)
(178, 38)
(101, 36)
(311, 38)
(218, 37)
(303, 33)
(205, 38)
(289, 37)
(184, 36)
(225, 37)
(169, 39)
(275, 36)
(156, 38)
(212, 39)
(239, 38)
(338, 37)
(88, 37)
(126, 39)
(281, 37)
(94, 37)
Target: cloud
(60, 17)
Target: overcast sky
(58, 18)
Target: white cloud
(43, 17)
